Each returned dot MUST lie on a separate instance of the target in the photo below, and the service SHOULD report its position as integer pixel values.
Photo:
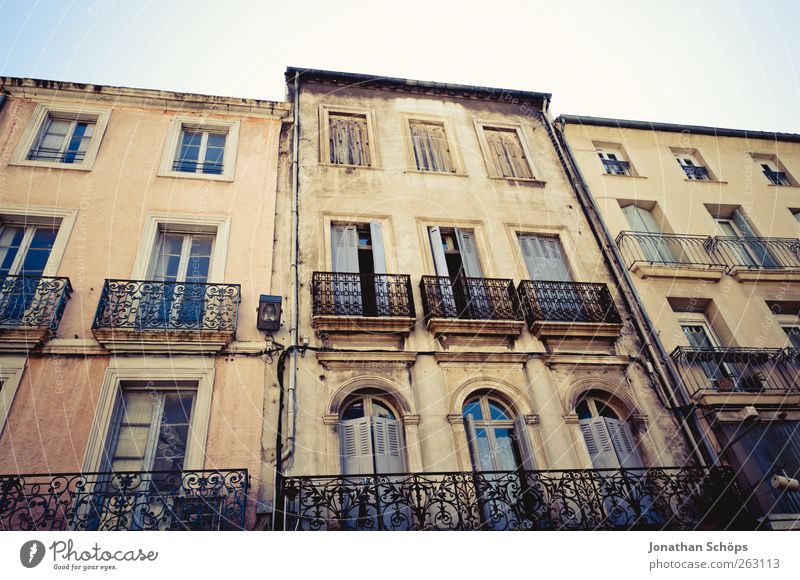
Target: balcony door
(462, 290)
(371, 437)
(546, 262)
(24, 252)
(750, 251)
(181, 263)
(700, 336)
(359, 250)
(654, 247)
(145, 453)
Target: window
(701, 337)
(200, 148)
(505, 151)
(693, 166)
(744, 243)
(454, 252)
(796, 214)
(773, 169)
(430, 146)
(346, 137)
(608, 438)
(498, 439)
(613, 159)
(544, 258)
(371, 436)
(654, 247)
(358, 249)
(788, 317)
(64, 136)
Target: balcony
(758, 258)
(30, 310)
(124, 501)
(670, 255)
(623, 499)
(471, 307)
(617, 167)
(355, 302)
(695, 172)
(137, 316)
(569, 309)
(725, 375)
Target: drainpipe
(291, 416)
(664, 371)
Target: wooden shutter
(544, 258)
(741, 222)
(388, 445)
(437, 250)
(348, 137)
(345, 249)
(623, 443)
(472, 440)
(469, 253)
(507, 154)
(598, 443)
(378, 257)
(356, 438)
(641, 220)
(524, 444)
(431, 148)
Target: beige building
(706, 222)
(136, 231)
(470, 360)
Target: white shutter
(545, 258)
(472, 440)
(437, 250)
(469, 253)
(742, 223)
(641, 220)
(524, 444)
(378, 257)
(623, 442)
(598, 442)
(388, 445)
(345, 248)
(356, 441)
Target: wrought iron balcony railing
(616, 167)
(544, 301)
(777, 177)
(186, 166)
(356, 294)
(153, 500)
(56, 155)
(469, 298)
(756, 253)
(695, 172)
(167, 306)
(667, 249)
(33, 301)
(743, 370)
(648, 499)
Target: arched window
(371, 436)
(608, 438)
(498, 439)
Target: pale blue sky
(722, 63)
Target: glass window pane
(354, 411)
(505, 453)
(39, 251)
(10, 240)
(381, 410)
(484, 450)
(131, 441)
(473, 408)
(497, 413)
(177, 408)
(582, 409)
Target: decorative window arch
(371, 434)
(497, 434)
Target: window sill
(625, 176)
(350, 167)
(53, 164)
(521, 180)
(718, 181)
(187, 175)
(781, 185)
(420, 172)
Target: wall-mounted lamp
(269, 312)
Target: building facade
(465, 359)
(706, 222)
(136, 232)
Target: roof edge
(677, 128)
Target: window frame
(325, 112)
(11, 369)
(450, 136)
(480, 128)
(45, 112)
(773, 161)
(172, 143)
(605, 148)
(138, 369)
(62, 218)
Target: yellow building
(706, 223)
(466, 358)
(136, 233)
